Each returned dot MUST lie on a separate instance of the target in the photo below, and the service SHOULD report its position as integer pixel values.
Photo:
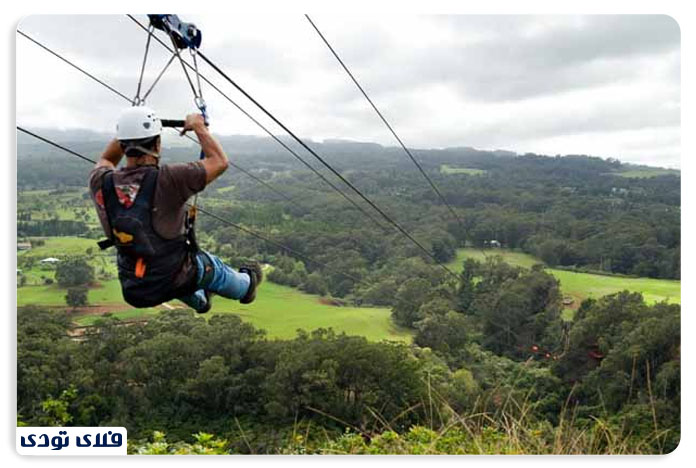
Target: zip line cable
(241, 169)
(328, 166)
(381, 116)
(319, 158)
(75, 66)
(115, 91)
(45, 140)
(266, 130)
(391, 129)
(211, 214)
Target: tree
(76, 296)
(315, 284)
(74, 272)
(467, 288)
(409, 298)
(518, 313)
(445, 334)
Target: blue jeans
(225, 282)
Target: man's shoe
(208, 302)
(256, 274)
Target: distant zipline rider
(142, 206)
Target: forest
(492, 367)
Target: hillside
(392, 343)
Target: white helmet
(138, 122)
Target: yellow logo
(123, 237)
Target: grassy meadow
(580, 285)
(645, 172)
(280, 310)
(447, 169)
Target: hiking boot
(256, 275)
(208, 302)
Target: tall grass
(498, 422)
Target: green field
(229, 188)
(513, 258)
(127, 315)
(107, 293)
(644, 173)
(447, 169)
(65, 205)
(581, 286)
(60, 247)
(279, 310)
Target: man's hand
(215, 162)
(194, 122)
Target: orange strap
(140, 268)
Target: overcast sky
(602, 85)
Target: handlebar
(173, 123)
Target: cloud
(556, 84)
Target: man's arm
(215, 161)
(111, 156)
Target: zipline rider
(142, 209)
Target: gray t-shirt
(176, 183)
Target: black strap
(190, 233)
(107, 186)
(109, 195)
(111, 203)
(105, 243)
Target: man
(142, 208)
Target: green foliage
(203, 444)
(626, 356)
(54, 411)
(74, 271)
(409, 298)
(76, 296)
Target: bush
(76, 297)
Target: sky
(600, 85)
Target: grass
(581, 286)
(584, 285)
(645, 173)
(447, 169)
(127, 315)
(513, 258)
(279, 310)
(107, 293)
(61, 247)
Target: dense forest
(609, 384)
(492, 367)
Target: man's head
(138, 130)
